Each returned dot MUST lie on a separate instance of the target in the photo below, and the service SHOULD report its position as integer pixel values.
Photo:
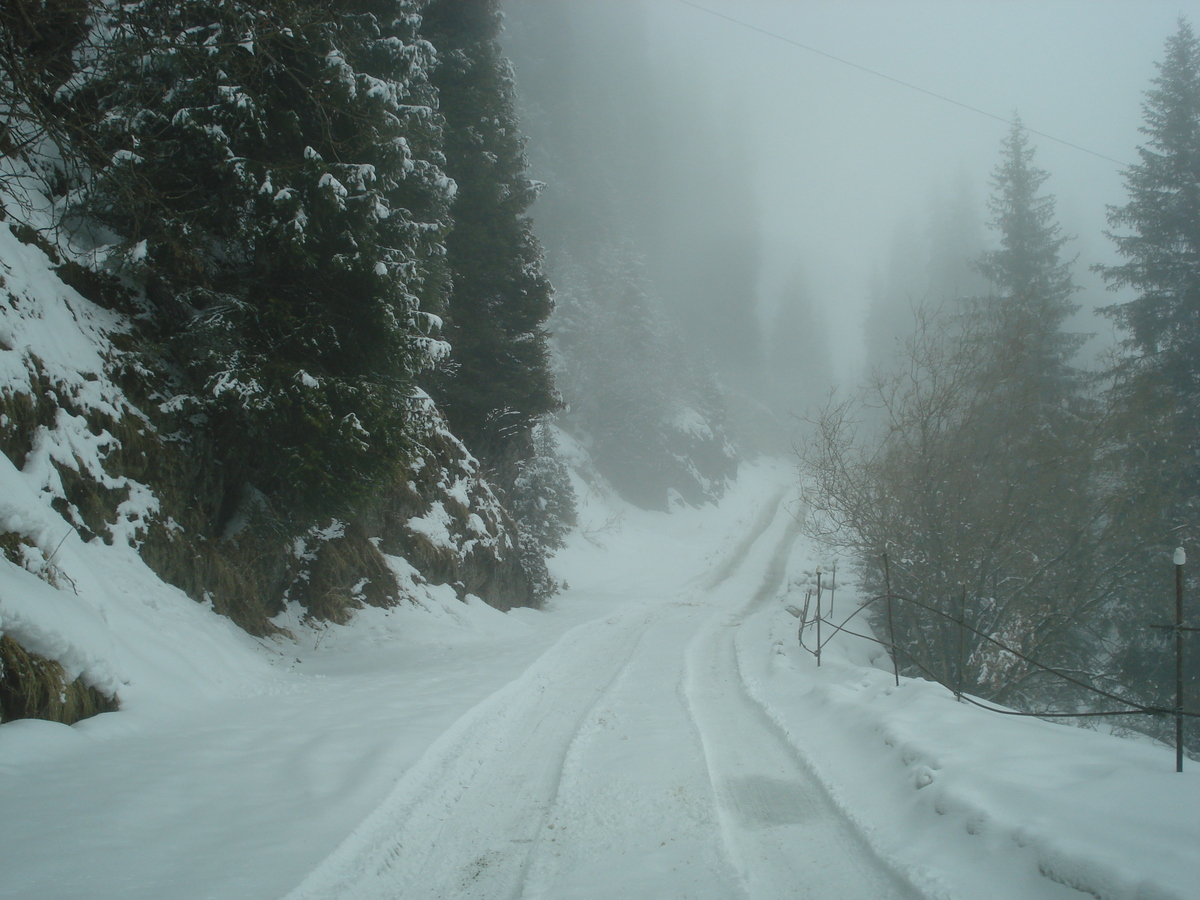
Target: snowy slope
(96, 609)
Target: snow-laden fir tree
(542, 502)
(498, 382)
(259, 187)
(271, 174)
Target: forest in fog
(1012, 481)
(381, 271)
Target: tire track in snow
(786, 836)
(467, 819)
(461, 822)
(777, 566)
(739, 553)
(635, 816)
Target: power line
(901, 82)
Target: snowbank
(95, 609)
(949, 792)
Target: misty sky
(840, 156)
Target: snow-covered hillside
(655, 732)
(72, 583)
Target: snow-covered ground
(656, 732)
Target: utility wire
(1017, 653)
(1136, 711)
(1137, 708)
(901, 82)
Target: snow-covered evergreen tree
(498, 382)
(543, 503)
(272, 177)
(543, 500)
(260, 189)
(1158, 234)
(1154, 400)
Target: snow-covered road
(785, 835)
(654, 734)
(629, 761)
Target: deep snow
(655, 732)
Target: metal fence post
(818, 617)
(1180, 562)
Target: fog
(819, 169)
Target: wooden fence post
(832, 588)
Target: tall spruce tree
(499, 383)
(1025, 434)
(1155, 393)
(1158, 379)
(978, 483)
(1032, 288)
(272, 176)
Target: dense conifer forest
(311, 218)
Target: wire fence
(890, 597)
